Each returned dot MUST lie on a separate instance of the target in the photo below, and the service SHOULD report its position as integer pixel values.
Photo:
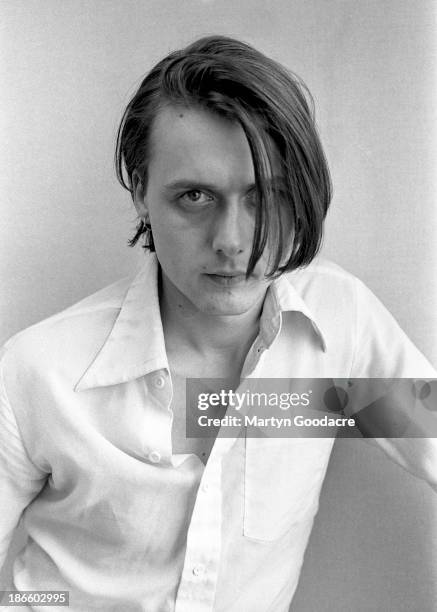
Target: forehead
(203, 145)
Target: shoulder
(72, 334)
(350, 313)
(339, 300)
(329, 291)
(320, 274)
(327, 287)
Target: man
(219, 151)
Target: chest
(184, 410)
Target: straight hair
(232, 79)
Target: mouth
(227, 279)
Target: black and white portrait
(218, 198)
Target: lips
(227, 273)
(227, 279)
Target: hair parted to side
(239, 83)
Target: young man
(219, 151)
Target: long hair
(234, 80)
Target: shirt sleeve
(20, 479)
(383, 351)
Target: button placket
(157, 450)
(154, 456)
(200, 572)
(158, 381)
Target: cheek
(175, 234)
(286, 232)
(166, 233)
(175, 247)
(287, 239)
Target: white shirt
(86, 450)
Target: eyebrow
(186, 183)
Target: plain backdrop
(69, 67)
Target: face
(200, 202)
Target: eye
(277, 193)
(195, 197)
(252, 198)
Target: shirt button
(198, 570)
(260, 349)
(159, 381)
(154, 457)
(205, 487)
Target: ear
(139, 195)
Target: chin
(225, 308)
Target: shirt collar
(289, 300)
(135, 346)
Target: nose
(230, 231)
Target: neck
(214, 339)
